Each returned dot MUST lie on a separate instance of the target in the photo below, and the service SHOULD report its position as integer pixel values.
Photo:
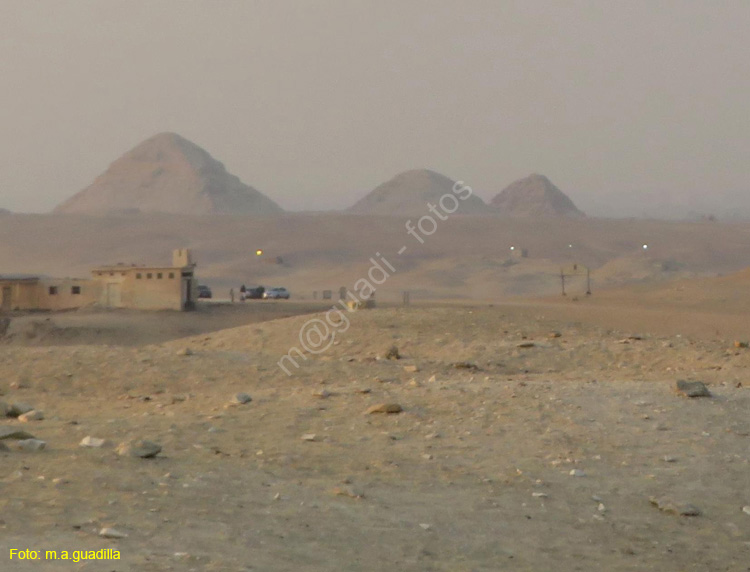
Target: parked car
(204, 291)
(276, 294)
(255, 293)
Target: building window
(138, 276)
(53, 290)
(159, 276)
(171, 275)
(149, 276)
(75, 290)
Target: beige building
(120, 286)
(18, 293)
(149, 287)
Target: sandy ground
(134, 328)
(473, 475)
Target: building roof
(19, 277)
(132, 267)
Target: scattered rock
(424, 526)
(539, 495)
(392, 353)
(738, 344)
(681, 509)
(466, 365)
(30, 445)
(350, 492)
(322, 394)
(34, 415)
(577, 473)
(746, 510)
(112, 533)
(553, 335)
(185, 352)
(242, 399)
(92, 442)
(13, 433)
(139, 448)
(692, 388)
(309, 437)
(411, 369)
(526, 345)
(385, 408)
(669, 459)
(18, 409)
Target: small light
(512, 247)
(258, 252)
(570, 246)
(645, 247)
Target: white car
(276, 294)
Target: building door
(189, 303)
(114, 295)
(7, 302)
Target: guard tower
(182, 257)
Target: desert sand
(532, 436)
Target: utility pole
(588, 281)
(562, 280)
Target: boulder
(34, 415)
(141, 449)
(692, 389)
(390, 408)
(13, 433)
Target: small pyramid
(534, 196)
(168, 174)
(409, 192)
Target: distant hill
(4, 212)
(169, 174)
(534, 196)
(409, 192)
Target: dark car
(253, 293)
(204, 292)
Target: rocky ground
(523, 442)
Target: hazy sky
(623, 103)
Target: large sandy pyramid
(534, 196)
(167, 173)
(409, 192)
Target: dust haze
(635, 109)
(453, 286)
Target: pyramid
(409, 192)
(534, 196)
(168, 174)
